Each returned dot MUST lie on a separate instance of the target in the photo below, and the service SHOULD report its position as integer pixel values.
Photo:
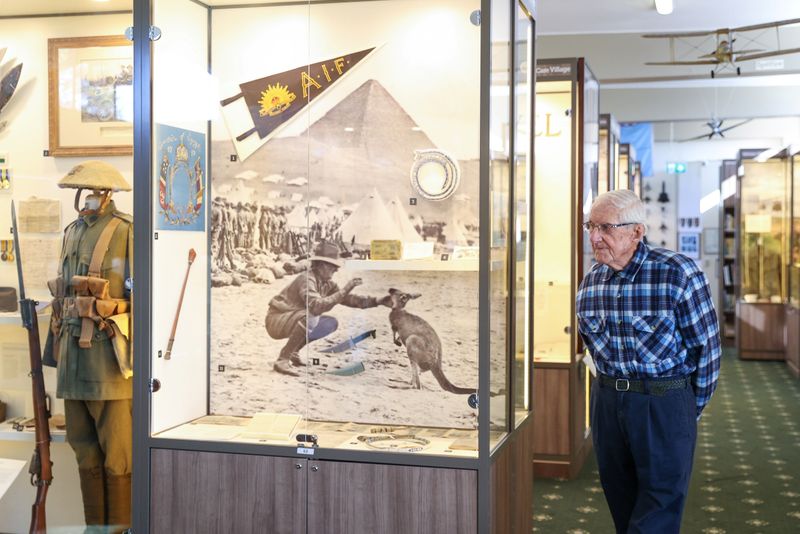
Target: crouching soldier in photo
(297, 312)
(88, 343)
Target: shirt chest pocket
(590, 325)
(655, 336)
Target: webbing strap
(101, 247)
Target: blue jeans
(645, 448)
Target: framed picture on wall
(90, 81)
(689, 244)
(711, 240)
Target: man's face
(326, 270)
(615, 247)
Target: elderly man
(647, 318)
(297, 312)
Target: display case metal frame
(793, 260)
(502, 473)
(562, 436)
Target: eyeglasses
(605, 228)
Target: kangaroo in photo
(421, 341)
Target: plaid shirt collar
(632, 269)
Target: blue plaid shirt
(654, 318)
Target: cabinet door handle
(314, 468)
(298, 466)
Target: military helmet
(94, 174)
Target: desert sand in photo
(381, 394)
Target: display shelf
(7, 433)
(728, 240)
(413, 265)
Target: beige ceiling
(634, 16)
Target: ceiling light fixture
(664, 7)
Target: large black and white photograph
(337, 292)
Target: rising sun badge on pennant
(275, 100)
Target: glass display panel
(603, 162)
(553, 212)
(500, 174)
(794, 255)
(624, 171)
(342, 160)
(590, 128)
(80, 57)
(522, 187)
(763, 231)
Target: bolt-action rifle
(41, 468)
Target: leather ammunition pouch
(52, 345)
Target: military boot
(290, 353)
(94, 502)
(118, 497)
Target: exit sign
(676, 167)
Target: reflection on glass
(552, 296)
(624, 171)
(763, 231)
(603, 162)
(522, 186)
(500, 173)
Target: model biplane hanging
(725, 54)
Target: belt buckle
(622, 382)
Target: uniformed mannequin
(89, 339)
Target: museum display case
(333, 288)
(626, 171)
(608, 159)
(564, 184)
(763, 226)
(728, 239)
(793, 306)
(47, 45)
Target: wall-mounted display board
(350, 328)
(567, 131)
(728, 239)
(762, 254)
(608, 160)
(793, 258)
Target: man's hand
(385, 301)
(349, 286)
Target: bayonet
(349, 343)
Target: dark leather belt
(652, 387)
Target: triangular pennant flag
(275, 99)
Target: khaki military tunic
(93, 373)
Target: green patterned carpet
(746, 474)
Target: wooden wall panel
(551, 411)
(349, 498)
(223, 493)
(512, 484)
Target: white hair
(628, 205)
